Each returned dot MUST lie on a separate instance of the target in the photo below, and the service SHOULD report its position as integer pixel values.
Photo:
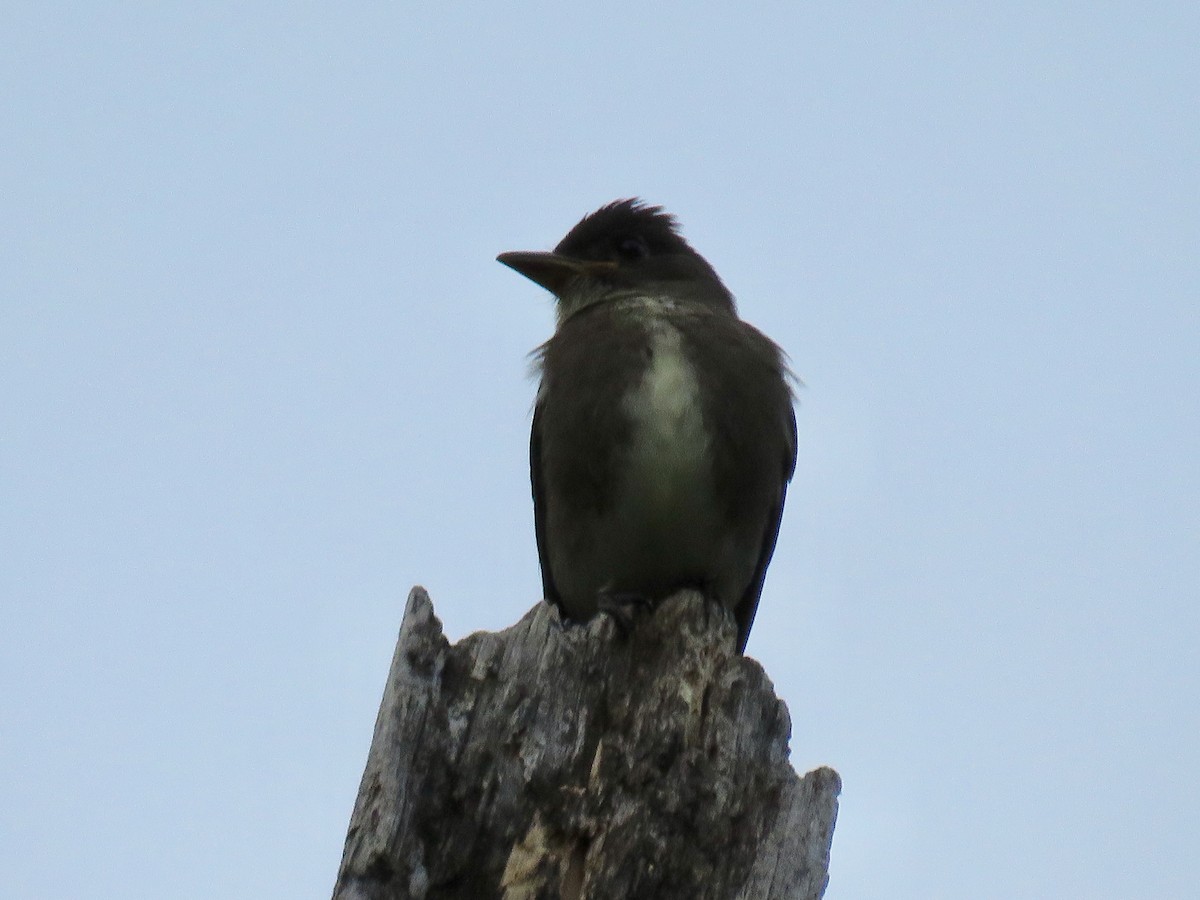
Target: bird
(664, 430)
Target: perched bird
(663, 434)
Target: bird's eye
(633, 247)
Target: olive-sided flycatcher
(663, 434)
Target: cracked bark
(545, 761)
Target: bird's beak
(552, 270)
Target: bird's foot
(623, 607)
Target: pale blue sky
(261, 374)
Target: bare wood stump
(546, 761)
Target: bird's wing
(749, 603)
(549, 591)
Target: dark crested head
(627, 245)
(624, 230)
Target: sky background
(261, 374)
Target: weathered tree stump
(546, 761)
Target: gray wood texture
(550, 761)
